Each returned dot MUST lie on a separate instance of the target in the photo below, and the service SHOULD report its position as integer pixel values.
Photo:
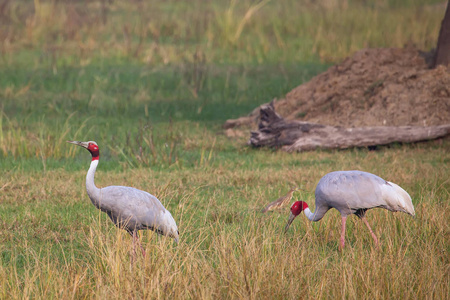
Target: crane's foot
(377, 244)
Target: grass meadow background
(152, 82)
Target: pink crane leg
(142, 248)
(342, 241)
(371, 232)
(136, 240)
(133, 257)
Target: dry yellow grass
(228, 249)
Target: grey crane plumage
(129, 208)
(353, 192)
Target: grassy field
(152, 82)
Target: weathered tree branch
(442, 56)
(274, 131)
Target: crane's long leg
(136, 240)
(133, 258)
(370, 229)
(342, 241)
(140, 244)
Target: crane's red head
(296, 209)
(91, 146)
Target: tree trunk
(274, 131)
(442, 56)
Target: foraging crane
(129, 208)
(353, 192)
(280, 202)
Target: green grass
(152, 82)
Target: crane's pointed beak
(291, 218)
(82, 144)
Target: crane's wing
(350, 191)
(137, 209)
(280, 202)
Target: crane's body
(129, 208)
(354, 192)
(139, 210)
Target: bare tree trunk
(442, 56)
(274, 131)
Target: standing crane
(129, 208)
(353, 192)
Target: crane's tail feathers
(401, 200)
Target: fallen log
(274, 131)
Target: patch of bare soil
(374, 87)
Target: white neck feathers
(92, 190)
(312, 216)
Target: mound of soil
(374, 87)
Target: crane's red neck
(298, 207)
(93, 148)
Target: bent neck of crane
(312, 216)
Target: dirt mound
(374, 87)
